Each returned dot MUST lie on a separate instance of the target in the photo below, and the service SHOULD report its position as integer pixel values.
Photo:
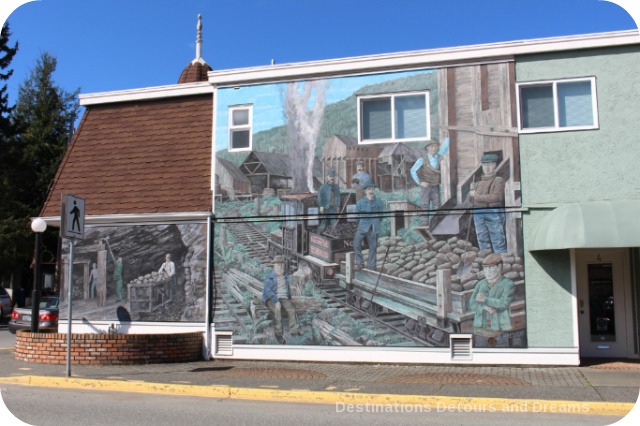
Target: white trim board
(147, 93)
(537, 356)
(385, 355)
(135, 218)
(367, 64)
(420, 58)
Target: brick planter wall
(108, 349)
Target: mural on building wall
(138, 273)
(377, 210)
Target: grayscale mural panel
(138, 273)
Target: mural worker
(276, 294)
(368, 226)
(328, 201)
(491, 300)
(359, 179)
(117, 273)
(488, 195)
(426, 173)
(169, 268)
(93, 281)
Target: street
(53, 405)
(7, 340)
(42, 406)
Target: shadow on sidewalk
(611, 363)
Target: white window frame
(393, 139)
(556, 113)
(233, 128)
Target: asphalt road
(52, 405)
(7, 340)
(44, 406)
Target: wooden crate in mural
(149, 293)
(328, 247)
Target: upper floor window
(400, 117)
(240, 118)
(548, 106)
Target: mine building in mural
(430, 206)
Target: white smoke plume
(303, 127)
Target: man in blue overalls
(368, 226)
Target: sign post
(72, 228)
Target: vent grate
(223, 343)
(461, 347)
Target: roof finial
(199, 39)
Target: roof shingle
(139, 157)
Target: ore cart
(301, 244)
(149, 293)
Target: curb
(345, 401)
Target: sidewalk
(601, 388)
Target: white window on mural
(399, 117)
(240, 127)
(549, 106)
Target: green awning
(591, 224)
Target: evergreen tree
(6, 131)
(40, 123)
(6, 56)
(42, 116)
(12, 232)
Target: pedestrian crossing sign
(72, 217)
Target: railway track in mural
(238, 306)
(230, 314)
(389, 326)
(249, 235)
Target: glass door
(602, 279)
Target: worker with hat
(491, 300)
(368, 226)
(328, 201)
(359, 179)
(426, 173)
(487, 197)
(276, 294)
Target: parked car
(21, 317)
(5, 305)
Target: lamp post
(38, 226)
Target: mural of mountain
(340, 117)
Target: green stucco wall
(548, 292)
(586, 165)
(564, 167)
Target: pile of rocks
(151, 278)
(419, 262)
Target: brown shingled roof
(194, 72)
(139, 157)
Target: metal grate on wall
(223, 343)
(461, 347)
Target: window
(402, 117)
(557, 105)
(240, 128)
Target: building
(543, 129)
(579, 229)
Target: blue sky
(105, 45)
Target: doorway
(604, 303)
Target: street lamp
(38, 226)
